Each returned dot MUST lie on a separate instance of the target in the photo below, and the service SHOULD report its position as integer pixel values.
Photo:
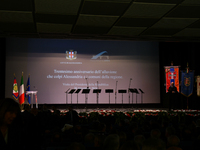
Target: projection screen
(56, 66)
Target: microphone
(34, 87)
(130, 78)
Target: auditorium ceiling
(160, 20)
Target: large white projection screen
(56, 66)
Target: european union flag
(28, 97)
(187, 83)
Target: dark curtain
(2, 66)
(180, 53)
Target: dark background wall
(2, 66)
(180, 53)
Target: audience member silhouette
(154, 144)
(10, 125)
(111, 142)
(155, 133)
(89, 141)
(139, 140)
(173, 142)
(130, 145)
(72, 116)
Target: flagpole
(23, 89)
(187, 71)
(12, 87)
(27, 96)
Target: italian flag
(15, 89)
(21, 91)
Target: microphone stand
(87, 83)
(86, 95)
(97, 95)
(116, 94)
(129, 90)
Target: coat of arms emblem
(71, 54)
(187, 81)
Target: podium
(109, 91)
(31, 93)
(122, 91)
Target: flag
(28, 97)
(172, 75)
(187, 82)
(21, 91)
(198, 85)
(15, 89)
